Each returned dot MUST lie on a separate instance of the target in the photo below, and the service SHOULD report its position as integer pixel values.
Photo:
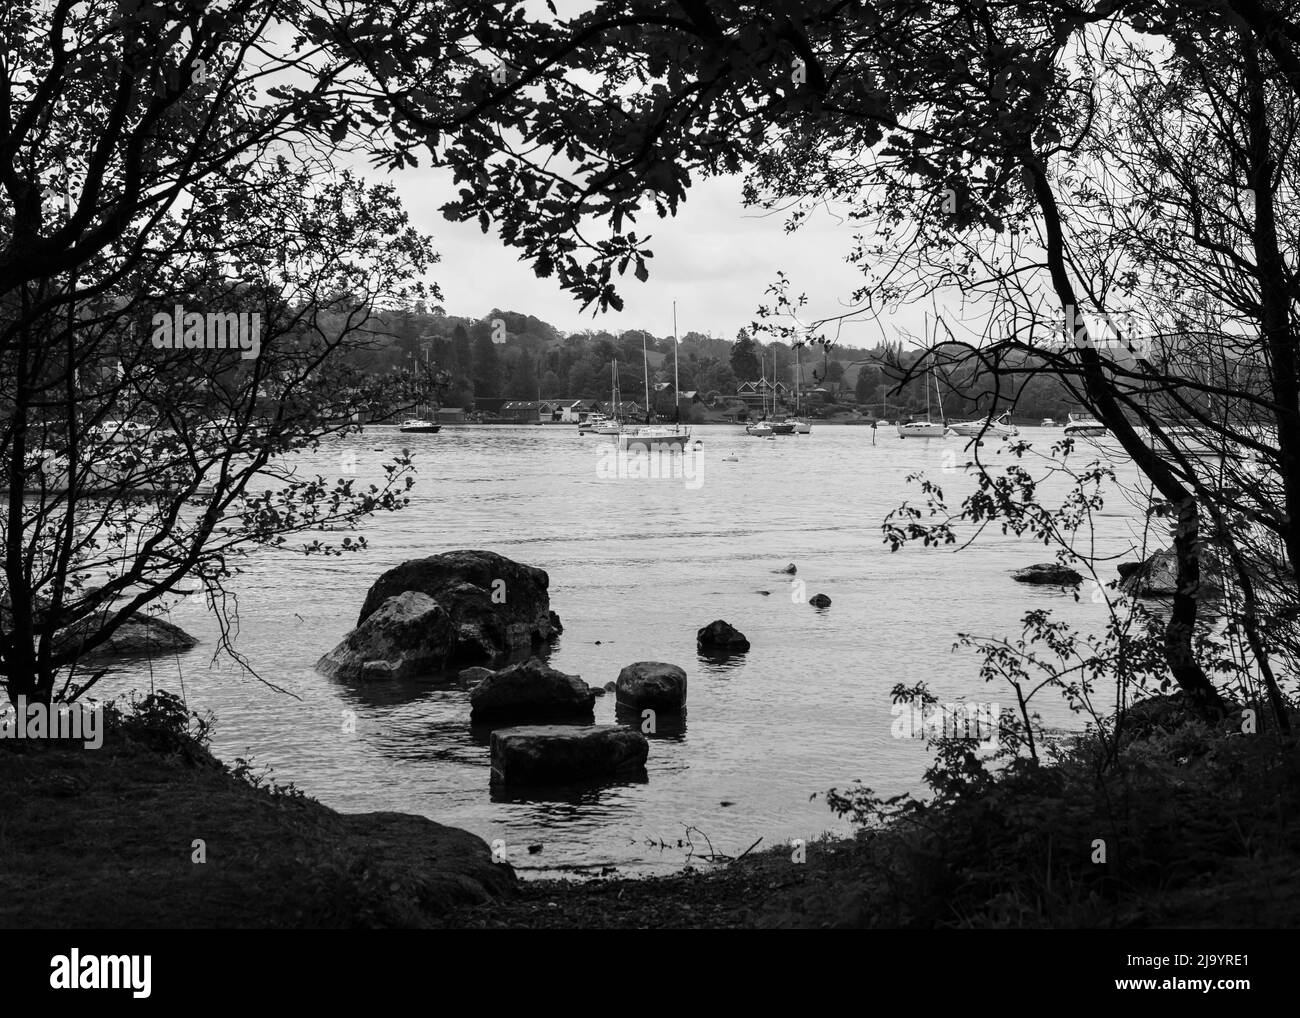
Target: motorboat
(759, 429)
(998, 428)
(420, 425)
(1048, 423)
(657, 437)
(120, 432)
(1084, 427)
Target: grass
(1200, 829)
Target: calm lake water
(637, 566)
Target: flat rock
(139, 636)
(1048, 573)
(530, 690)
(559, 754)
(721, 636)
(409, 634)
(654, 684)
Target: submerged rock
(654, 684)
(139, 636)
(556, 754)
(721, 636)
(1048, 573)
(408, 634)
(530, 690)
(819, 601)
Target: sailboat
(780, 424)
(662, 437)
(802, 425)
(926, 428)
(761, 428)
(423, 422)
(603, 424)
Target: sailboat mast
(645, 370)
(677, 396)
(798, 377)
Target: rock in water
(557, 754)
(498, 608)
(1048, 573)
(819, 601)
(1158, 576)
(789, 570)
(410, 634)
(721, 636)
(138, 636)
(530, 690)
(653, 684)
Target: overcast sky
(716, 259)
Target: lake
(637, 565)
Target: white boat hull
(654, 439)
(978, 429)
(921, 429)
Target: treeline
(508, 354)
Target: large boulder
(1049, 573)
(530, 690)
(499, 608)
(721, 637)
(139, 636)
(653, 684)
(1158, 576)
(558, 754)
(410, 634)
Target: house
(578, 410)
(524, 411)
(451, 415)
(489, 404)
(661, 398)
(626, 410)
(760, 394)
